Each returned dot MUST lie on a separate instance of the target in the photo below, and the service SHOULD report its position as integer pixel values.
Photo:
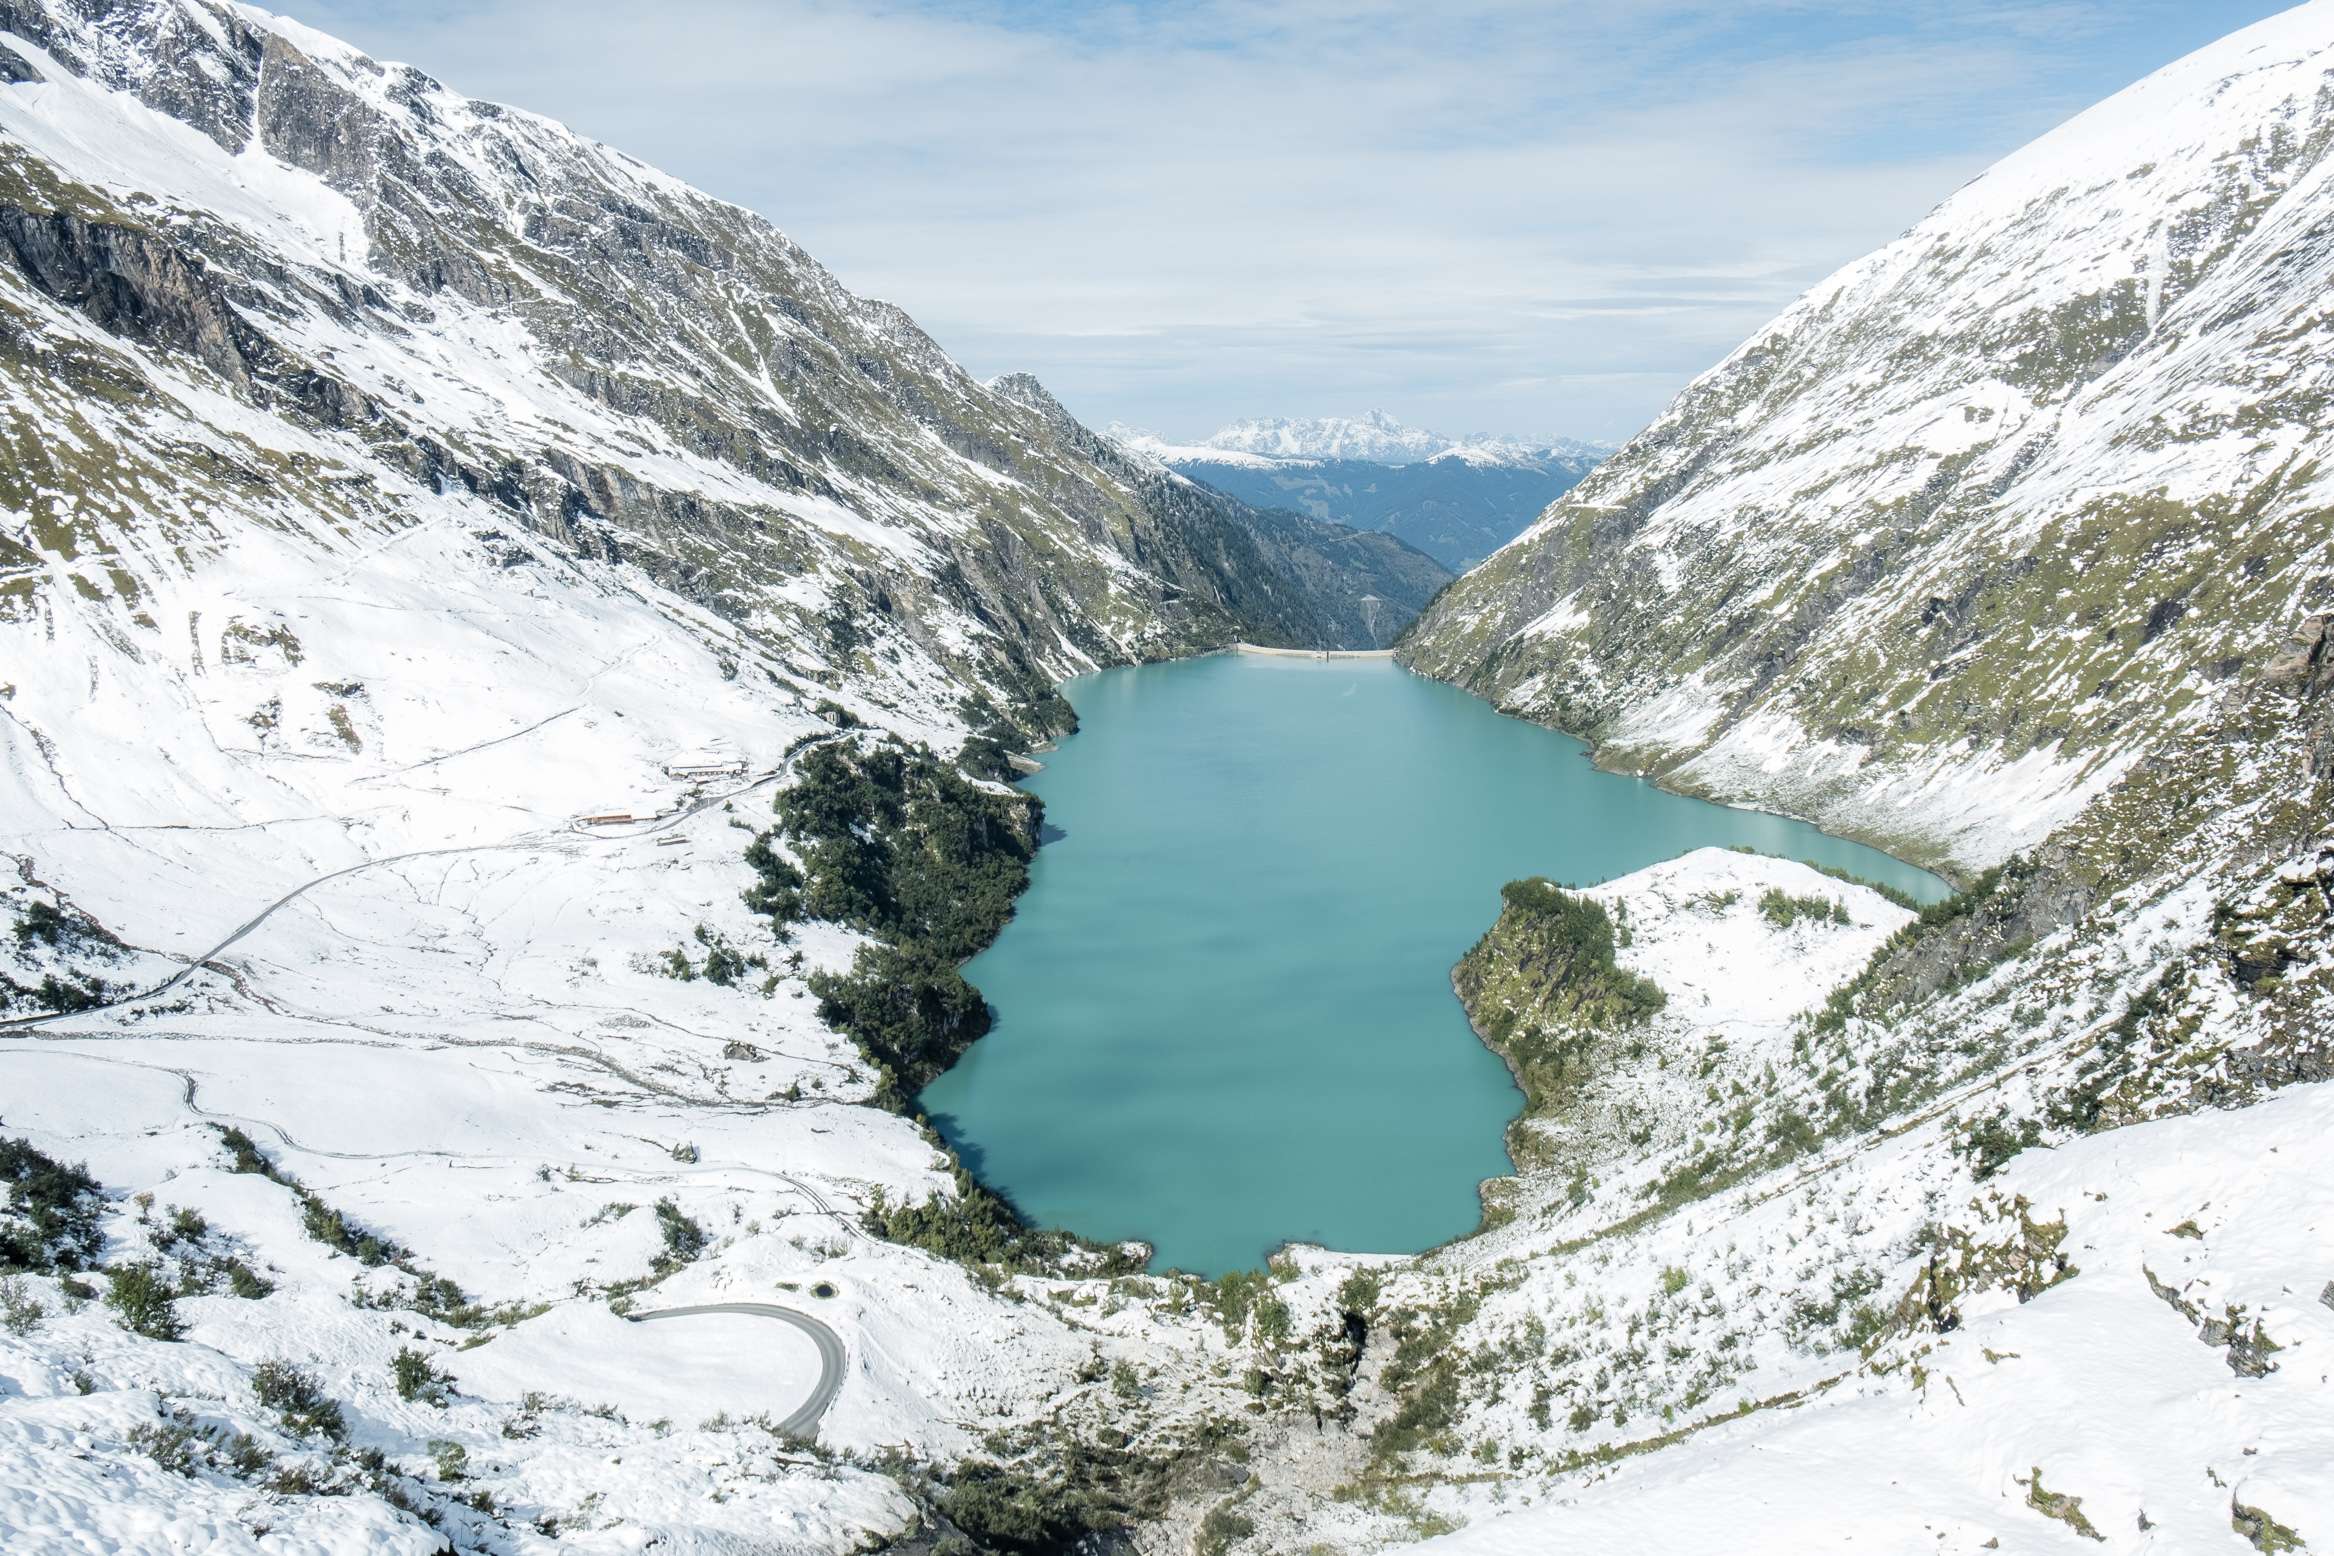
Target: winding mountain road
(547, 837)
(804, 1422)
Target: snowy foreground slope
(351, 560)
(2102, 1414)
(1937, 553)
(463, 1035)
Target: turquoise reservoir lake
(1224, 1018)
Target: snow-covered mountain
(464, 297)
(428, 541)
(1457, 499)
(1374, 438)
(1940, 552)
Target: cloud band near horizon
(1492, 215)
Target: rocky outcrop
(2304, 669)
(1543, 991)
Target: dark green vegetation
(49, 1225)
(899, 843)
(1544, 985)
(298, 1400)
(909, 1009)
(433, 1294)
(896, 842)
(724, 964)
(1782, 909)
(417, 1378)
(1895, 894)
(61, 931)
(1034, 1514)
(975, 1227)
(979, 1227)
(142, 1296)
(1041, 714)
(1424, 1376)
(683, 1238)
(1086, 1497)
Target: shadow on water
(968, 1151)
(1047, 832)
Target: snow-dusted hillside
(2008, 545)
(445, 294)
(427, 543)
(1939, 552)
(390, 483)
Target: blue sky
(1529, 217)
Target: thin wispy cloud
(1491, 214)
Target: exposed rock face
(464, 297)
(1937, 554)
(2306, 667)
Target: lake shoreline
(1944, 869)
(1596, 828)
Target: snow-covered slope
(1936, 554)
(390, 483)
(428, 540)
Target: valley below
(638, 915)
(1223, 1014)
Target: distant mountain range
(1457, 499)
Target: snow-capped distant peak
(1149, 445)
(1375, 438)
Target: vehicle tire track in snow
(533, 840)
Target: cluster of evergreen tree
(1544, 985)
(997, 732)
(60, 929)
(978, 1226)
(897, 842)
(49, 1223)
(1573, 941)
